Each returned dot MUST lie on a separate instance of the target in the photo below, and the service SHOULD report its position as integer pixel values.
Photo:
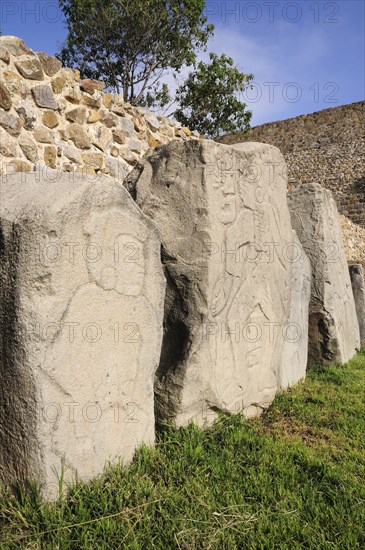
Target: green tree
(208, 98)
(130, 43)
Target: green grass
(293, 479)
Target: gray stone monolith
(333, 326)
(358, 288)
(229, 254)
(81, 313)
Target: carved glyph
(225, 227)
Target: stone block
(333, 326)
(81, 321)
(225, 229)
(358, 288)
(43, 96)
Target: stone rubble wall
(51, 118)
(327, 147)
(353, 240)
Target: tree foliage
(129, 43)
(208, 100)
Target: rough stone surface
(295, 350)
(229, 299)
(43, 96)
(8, 146)
(58, 100)
(43, 135)
(82, 326)
(333, 325)
(11, 123)
(30, 68)
(358, 288)
(78, 135)
(327, 147)
(50, 156)
(5, 99)
(50, 119)
(29, 147)
(50, 64)
(14, 46)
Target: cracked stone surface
(225, 229)
(81, 324)
(333, 326)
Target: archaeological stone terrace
(148, 276)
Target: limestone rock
(79, 115)
(4, 55)
(50, 156)
(11, 123)
(43, 135)
(72, 94)
(13, 81)
(107, 100)
(295, 349)
(29, 147)
(72, 154)
(119, 136)
(26, 111)
(96, 160)
(43, 96)
(358, 288)
(118, 108)
(152, 121)
(220, 211)
(50, 119)
(87, 85)
(94, 116)
(8, 146)
(126, 124)
(108, 118)
(333, 326)
(5, 99)
(81, 314)
(118, 169)
(134, 146)
(15, 46)
(102, 137)
(63, 80)
(51, 65)
(93, 101)
(78, 135)
(17, 165)
(30, 68)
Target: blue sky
(305, 55)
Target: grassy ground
(293, 479)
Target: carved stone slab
(227, 249)
(333, 326)
(295, 350)
(81, 326)
(358, 288)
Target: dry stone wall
(50, 118)
(327, 147)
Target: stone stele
(358, 288)
(295, 350)
(227, 250)
(81, 326)
(333, 326)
